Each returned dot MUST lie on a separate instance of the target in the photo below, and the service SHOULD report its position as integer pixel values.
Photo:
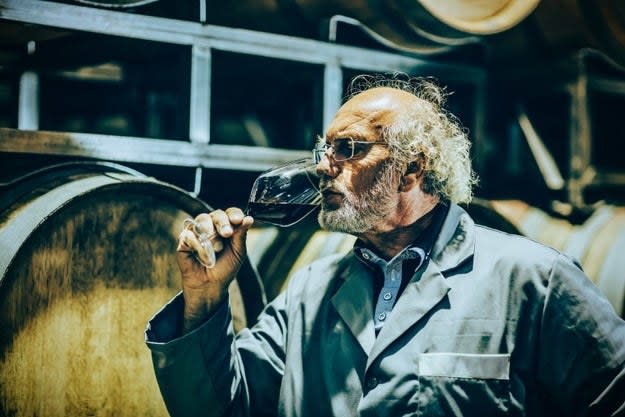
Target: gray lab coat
(493, 324)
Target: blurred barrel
(598, 243)
(559, 28)
(520, 31)
(425, 26)
(87, 256)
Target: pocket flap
(465, 365)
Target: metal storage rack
(198, 151)
(584, 94)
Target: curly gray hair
(428, 134)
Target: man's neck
(389, 241)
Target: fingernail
(226, 229)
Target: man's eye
(343, 147)
(359, 148)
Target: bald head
(381, 98)
(366, 113)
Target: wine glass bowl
(285, 195)
(282, 196)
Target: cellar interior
(141, 113)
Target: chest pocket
(457, 384)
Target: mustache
(332, 185)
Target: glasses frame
(321, 149)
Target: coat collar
(354, 298)
(354, 301)
(456, 240)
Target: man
(429, 315)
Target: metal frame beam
(242, 41)
(146, 151)
(202, 39)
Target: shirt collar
(420, 248)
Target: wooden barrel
(598, 243)
(521, 31)
(557, 29)
(422, 26)
(87, 255)
(482, 18)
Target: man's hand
(205, 287)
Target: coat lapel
(456, 240)
(428, 286)
(419, 297)
(354, 303)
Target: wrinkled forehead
(366, 113)
(380, 98)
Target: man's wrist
(199, 305)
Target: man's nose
(327, 166)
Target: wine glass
(285, 195)
(282, 196)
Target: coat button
(372, 383)
(388, 296)
(382, 316)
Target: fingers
(200, 246)
(203, 236)
(235, 215)
(188, 242)
(223, 222)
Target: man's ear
(411, 177)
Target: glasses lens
(319, 150)
(318, 153)
(343, 149)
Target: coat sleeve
(212, 372)
(581, 347)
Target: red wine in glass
(280, 214)
(285, 195)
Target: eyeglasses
(343, 149)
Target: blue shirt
(390, 277)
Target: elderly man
(429, 314)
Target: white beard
(361, 213)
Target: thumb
(239, 236)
